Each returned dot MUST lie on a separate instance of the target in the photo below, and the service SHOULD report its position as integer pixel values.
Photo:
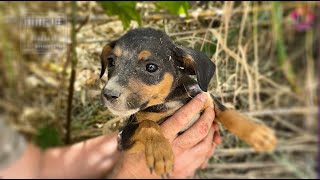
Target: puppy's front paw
(262, 138)
(159, 156)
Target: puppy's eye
(111, 60)
(151, 67)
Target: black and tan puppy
(149, 78)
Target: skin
(96, 157)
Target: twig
(256, 58)
(284, 111)
(318, 58)
(302, 139)
(204, 30)
(243, 165)
(227, 176)
(264, 90)
(238, 59)
(206, 34)
(74, 62)
(249, 76)
(86, 20)
(272, 173)
(287, 148)
(289, 125)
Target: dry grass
(239, 38)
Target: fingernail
(211, 106)
(202, 97)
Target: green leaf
(174, 7)
(126, 10)
(47, 137)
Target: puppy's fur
(150, 78)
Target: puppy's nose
(111, 94)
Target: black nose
(111, 94)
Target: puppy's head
(144, 66)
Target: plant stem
(283, 61)
(74, 62)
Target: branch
(74, 62)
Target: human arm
(92, 158)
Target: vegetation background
(265, 54)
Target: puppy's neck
(184, 91)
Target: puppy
(150, 78)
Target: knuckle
(181, 118)
(211, 111)
(203, 128)
(210, 114)
(196, 103)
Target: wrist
(87, 159)
(28, 166)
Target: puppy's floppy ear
(104, 56)
(195, 63)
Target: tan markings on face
(106, 51)
(103, 58)
(117, 51)
(188, 61)
(144, 55)
(155, 94)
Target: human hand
(192, 149)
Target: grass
(282, 57)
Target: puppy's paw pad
(159, 156)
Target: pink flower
(303, 18)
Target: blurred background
(267, 67)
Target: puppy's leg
(158, 151)
(259, 136)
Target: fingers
(216, 138)
(188, 160)
(181, 118)
(216, 141)
(214, 145)
(205, 146)
(198, 131)
(215, 126)
(192, 158)
(205, 163)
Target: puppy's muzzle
(111, 95)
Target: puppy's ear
(195, 63)
(104, 56)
